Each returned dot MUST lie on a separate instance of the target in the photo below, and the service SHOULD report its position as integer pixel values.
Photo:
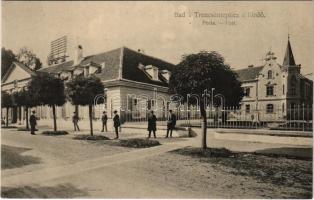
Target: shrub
(209, 152)
(51, 133)
(138, 143)
(91, 137)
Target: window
(283, 107)
(269, 90)
(269, 74)
(247, 108)
(247, 92)
(293, 91)
(307, 90)
(283, 89)
(269, 108)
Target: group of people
(104, 119)
(152, 119)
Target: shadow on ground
(58, 191)
(11, 157)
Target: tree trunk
(26, 116)
(54, 118)
(204, 125)
(7, 119)
(90, 110)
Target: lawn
(11, 157)
(58, 191)
(224, 174)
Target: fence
(298, 118)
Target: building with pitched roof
(136, 82)
(133, 81)
(272, 90)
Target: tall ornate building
(272, 90)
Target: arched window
(269, 74)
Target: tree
(7, 58)
(6, 102)
(82, 91)
(29, 59)
(199, 73)
(26, 99)
(48, 90)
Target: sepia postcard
(157, 99)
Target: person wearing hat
(104, 119)
(151, 124)
(116, 123)
(171, 123)
(33, 122)
(75, 120)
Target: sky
(154, 27)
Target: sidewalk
(255, 143)
(43, 175)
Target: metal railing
(297, 117)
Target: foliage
(51, 133)
(25, 98)
(7, 58)
(198, 72)
(204, 71)
(138, 143)
(28, 58)
(6, 100)
(83, 90)
(47, 90)
(89, 137)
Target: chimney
(78, 56)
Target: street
(100, 170)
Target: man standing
(116, 123)
(33, 122)
(152, 124)
(75, 120)
(104, 119)
(171, 123)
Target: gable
(271, 68)
(16, 73)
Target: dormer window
(152, 71)
(77, 72)
(86, 71)
(166, 74)
(65, 75)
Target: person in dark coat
(171, 123)
(104, 119)
(75, 120)
(33, 122)
(116, 123)
(152, 124)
